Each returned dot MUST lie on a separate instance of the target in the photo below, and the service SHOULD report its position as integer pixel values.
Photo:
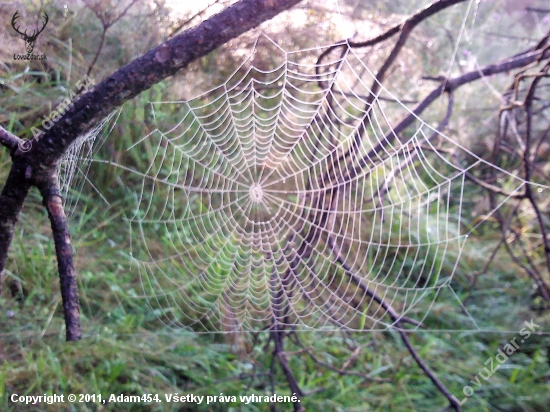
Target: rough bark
(13, 196)
(49, 189)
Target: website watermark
(492, 364)
(29, 39)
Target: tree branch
(385, 186)
(404, 29)
(527, 162)
(13, 196)
(393, 314)
(98, 51)
(154, 66)
(342, 371)
(406, 25)
(193, 17)
(279, 353)
(442, 388)
(49, 189)
(531, 270)
(107, 23)
(448, 86)
(9, 140)
(398, 319)
(495, 189)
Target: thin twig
(277, 336)
(412, 21)
(488, 186)
(442, 388)
(340, 371)
(99, 48)
(385, 186)
(394, 315)
(531, 270)
(449, 85)
(107, 24)
(398, 319)
(404, 29)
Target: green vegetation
(130, 347)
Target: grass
(127, 349)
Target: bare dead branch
(49, 189)
(108, 18)
(404, 29)
(525, 148)
(397, 319)
(449, 86)
(407, 25)
(528, 268)
(537, 10)
(442, 388)
(385, 186)
(9, 140)
(98, 51)
(496, 190)
(489, 261)
(340, 371)
(277, 335)
(107, 24)
(12, 198)
(528, 160)
(394, 315)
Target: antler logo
(29, 39)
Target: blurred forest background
(502, 276)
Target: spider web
(275, 199)
(283, 196)
(75, 164)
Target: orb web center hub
(256, 193)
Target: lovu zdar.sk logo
(30, 39)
